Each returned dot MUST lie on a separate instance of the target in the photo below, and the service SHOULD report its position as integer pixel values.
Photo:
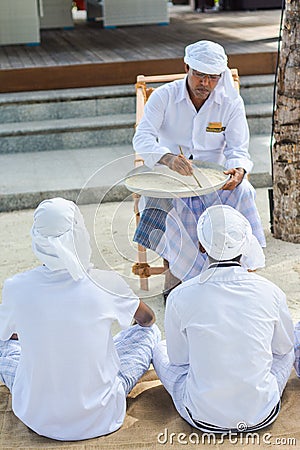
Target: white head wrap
(210, 58)
(225, 234)
(59, 237)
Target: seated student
(229, 336)
(68, 377)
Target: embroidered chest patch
(215, 127)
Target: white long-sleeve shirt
(66, 385)
(227, 324)
(218, 132)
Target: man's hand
(14, 337)
(236, 178)
(178, 163)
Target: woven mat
(150, 420)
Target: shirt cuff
(244, 163)
(152, 158)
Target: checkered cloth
(135, 349)
(169, 226)
(10, 352)
(297, 348)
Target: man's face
(200, 84)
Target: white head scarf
(225, 234)
(59, 237)
(210, 58)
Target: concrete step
(257, 88)
(94, 131)
(66, 133)
(260, 153)
(259, 118)
(66, 103)
(79, 118)
(88, 102)
(88, 175)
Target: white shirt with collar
(226, 325)
(218, 132)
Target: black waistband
(224, 264)
(207, 427)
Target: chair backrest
(143, 91)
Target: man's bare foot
(14, 337)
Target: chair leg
(170, 280)
(142, 258)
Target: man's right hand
(178, 163)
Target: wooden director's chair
(143, 92)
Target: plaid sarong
(10, 352)
(169, 226)
(297, 348)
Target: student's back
(229, 326)
(229, 335)
(68, 376)
(66, 385)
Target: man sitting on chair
(204, 115)
(229, 336)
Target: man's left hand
(14, 337)
(236, 178)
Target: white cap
(210, 58)
(206, 57)
(225, 234)
(60, 239)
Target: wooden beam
(115, 73)
(254, 63)
(83, 75)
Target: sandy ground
(111, 226)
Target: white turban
(225, 234)
(59, 237)
(210, 58)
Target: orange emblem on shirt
(215, 127)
